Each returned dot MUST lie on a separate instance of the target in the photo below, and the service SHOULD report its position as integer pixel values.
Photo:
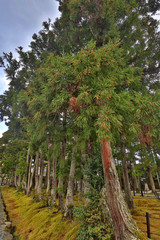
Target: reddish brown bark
(125, 227)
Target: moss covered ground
(33, 221)
(151, 205)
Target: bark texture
(124, 226)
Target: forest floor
(35, 222)
(152, 206)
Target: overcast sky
(19, 20)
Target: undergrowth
(93, 223)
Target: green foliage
(93, 225)
(94, 170)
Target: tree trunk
(60, 181)
(155, 161)
(128, 194)
(80, 193)
(40, 180)
(19, 180)
(54, 182)
(124, 226)
(151, 180)
(86, 185)
(29, 176)
(25, 178)
(36, 171)
(69, 197)
(15, 178)
(158, 179)
(60, 194)
(134, 178)
(48, 179)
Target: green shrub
(93, 224)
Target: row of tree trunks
(124, 225)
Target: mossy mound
(34, 221)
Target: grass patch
(34, 221)
(151, 205)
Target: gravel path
(4, 235)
